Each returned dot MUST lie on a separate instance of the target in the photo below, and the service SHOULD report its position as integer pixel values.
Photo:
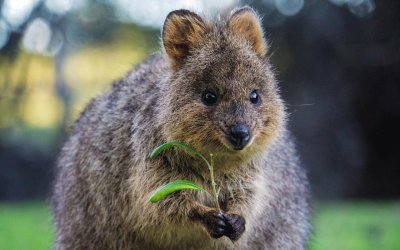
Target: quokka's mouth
(239, 143)
(233, 147)
(237, 146)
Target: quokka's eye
(254, 97)
(209, 98)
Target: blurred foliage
(27, 94)
(41, 95)
(28, 83)
(344, 226)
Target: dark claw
(218, 215)
(220, 223)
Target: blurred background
(338, 63)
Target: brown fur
(245, 23)
(183, 30)
(105, 175)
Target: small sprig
(177, 185)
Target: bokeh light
(16, 12)
(61, 7)
(289, 7)
(359, 8)
(37, 36)
(362, 8)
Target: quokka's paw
(219, 224)
(214, 222)
(235, 226)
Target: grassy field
(338, 226)
(25, 226)
(358, 226)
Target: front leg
(228, 221)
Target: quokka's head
(221, 95)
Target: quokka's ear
(183, 30)
(246, 23)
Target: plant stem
(213, 184)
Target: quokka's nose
(240, 136)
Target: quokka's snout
(239, 136)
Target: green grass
(25, 226)
(353, 226)
(338, 226)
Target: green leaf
(164, 146)
(174, 186)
